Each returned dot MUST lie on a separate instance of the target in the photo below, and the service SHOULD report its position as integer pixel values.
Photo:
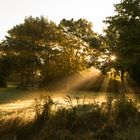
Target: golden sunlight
(113, 57)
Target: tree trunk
(33, 77)
(22, 76)
(122, 82)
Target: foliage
(5, 69)
(42, 51)
(106, 121)
(23, 45)
(122, 36)
(82, 29)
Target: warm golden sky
(13, 12)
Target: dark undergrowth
(112, 120)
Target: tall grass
(111, 120)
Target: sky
(13, 12)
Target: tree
(40, 47)
(81, 30)
(5, 70)
(123, 36)
(25, 44)
(66, 57)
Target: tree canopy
(42, 50)
(123, 36)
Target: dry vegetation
(112, 120)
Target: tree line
(39, 50)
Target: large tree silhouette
(123, 37)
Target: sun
(113, 57)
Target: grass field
(110, 120)
(13, 100)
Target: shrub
(111, 120)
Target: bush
(111, 120)
(125, 111)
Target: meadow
(68, 116)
